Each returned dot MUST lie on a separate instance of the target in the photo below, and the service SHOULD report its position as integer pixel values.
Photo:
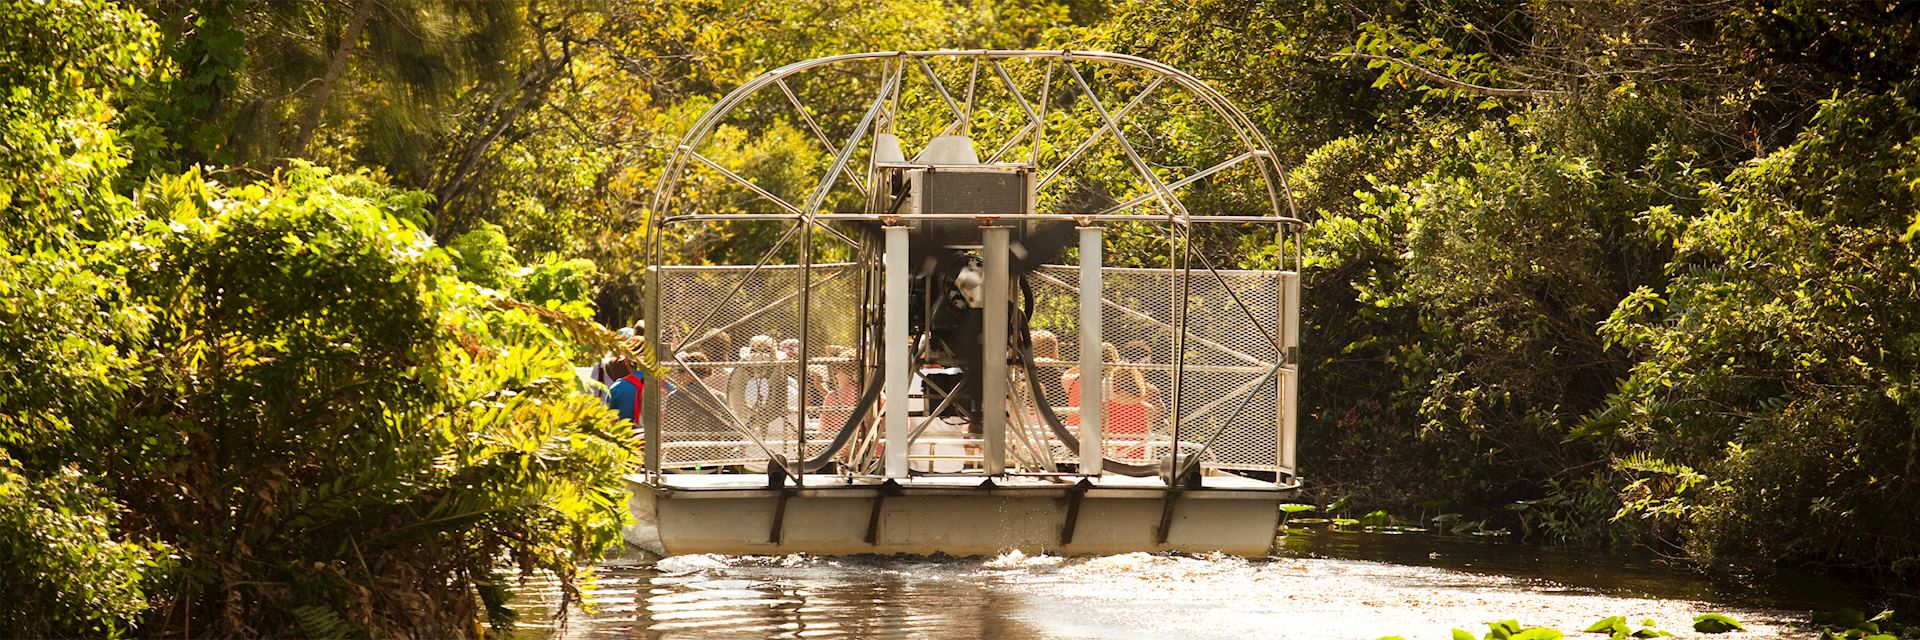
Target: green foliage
(1851, 624)
(1645, 283)
(1772, 398)
(395, 431)
(1715, 623)
(1469, 317)
(567, 282)
(483, 257)
(67, 570)
(1616, 628)
(68, 566)
(1511, 630)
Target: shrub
(66, 571)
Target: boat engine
(948, 296)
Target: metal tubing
(1223, 166)
(1173, 204)
(801, 383)
(1180, 352)
(895, 351)
(1109, 125)
(983, 217)
(807, 117)
(993, 344)
(1290, 356)
(1040, 120)
(1234, 118)
(1092, 437)
(846, 151)
(650, 393)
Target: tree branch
(1453, 83)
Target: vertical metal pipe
(993, 345)
(1180, 346)
(1092, 392)
(800, 381)
(650, 394)
(1290, 354)
(897, 367)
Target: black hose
(1040, 402)
(867, 398)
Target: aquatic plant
(1852, 624)
(1287, 511)
(1511, 630)
(1715, 623)
(1616, 628)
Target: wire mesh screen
(1232, 320)
(736, 390)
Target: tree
(1772, 403)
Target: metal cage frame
(1062, 66)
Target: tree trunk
(317, 107)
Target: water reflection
(1329, 586)
(791, 597)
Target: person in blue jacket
(624, 394)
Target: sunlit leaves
(1779, 360)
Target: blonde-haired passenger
(1127, 401)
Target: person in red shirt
(1131, 410)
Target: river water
(1319, 585)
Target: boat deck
(732, 485)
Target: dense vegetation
(291, 290)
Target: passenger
(750, 385)
(597, 374)
(687, 372)
(790, 350)
(1071, 379)
(1131, 410)
(624, 394)
(689, 407)
(1158, 378)
(1046, 366)
(843, 392)
(720, 345)
(816, 390)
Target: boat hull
(960, 516)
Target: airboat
(936, 355)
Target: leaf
(1715, 623)
(1538, 633)
(1296, 508)
(1459, 634)
(1846, 618)
(1615, 624)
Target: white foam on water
(694, 562)
(1017, 559)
